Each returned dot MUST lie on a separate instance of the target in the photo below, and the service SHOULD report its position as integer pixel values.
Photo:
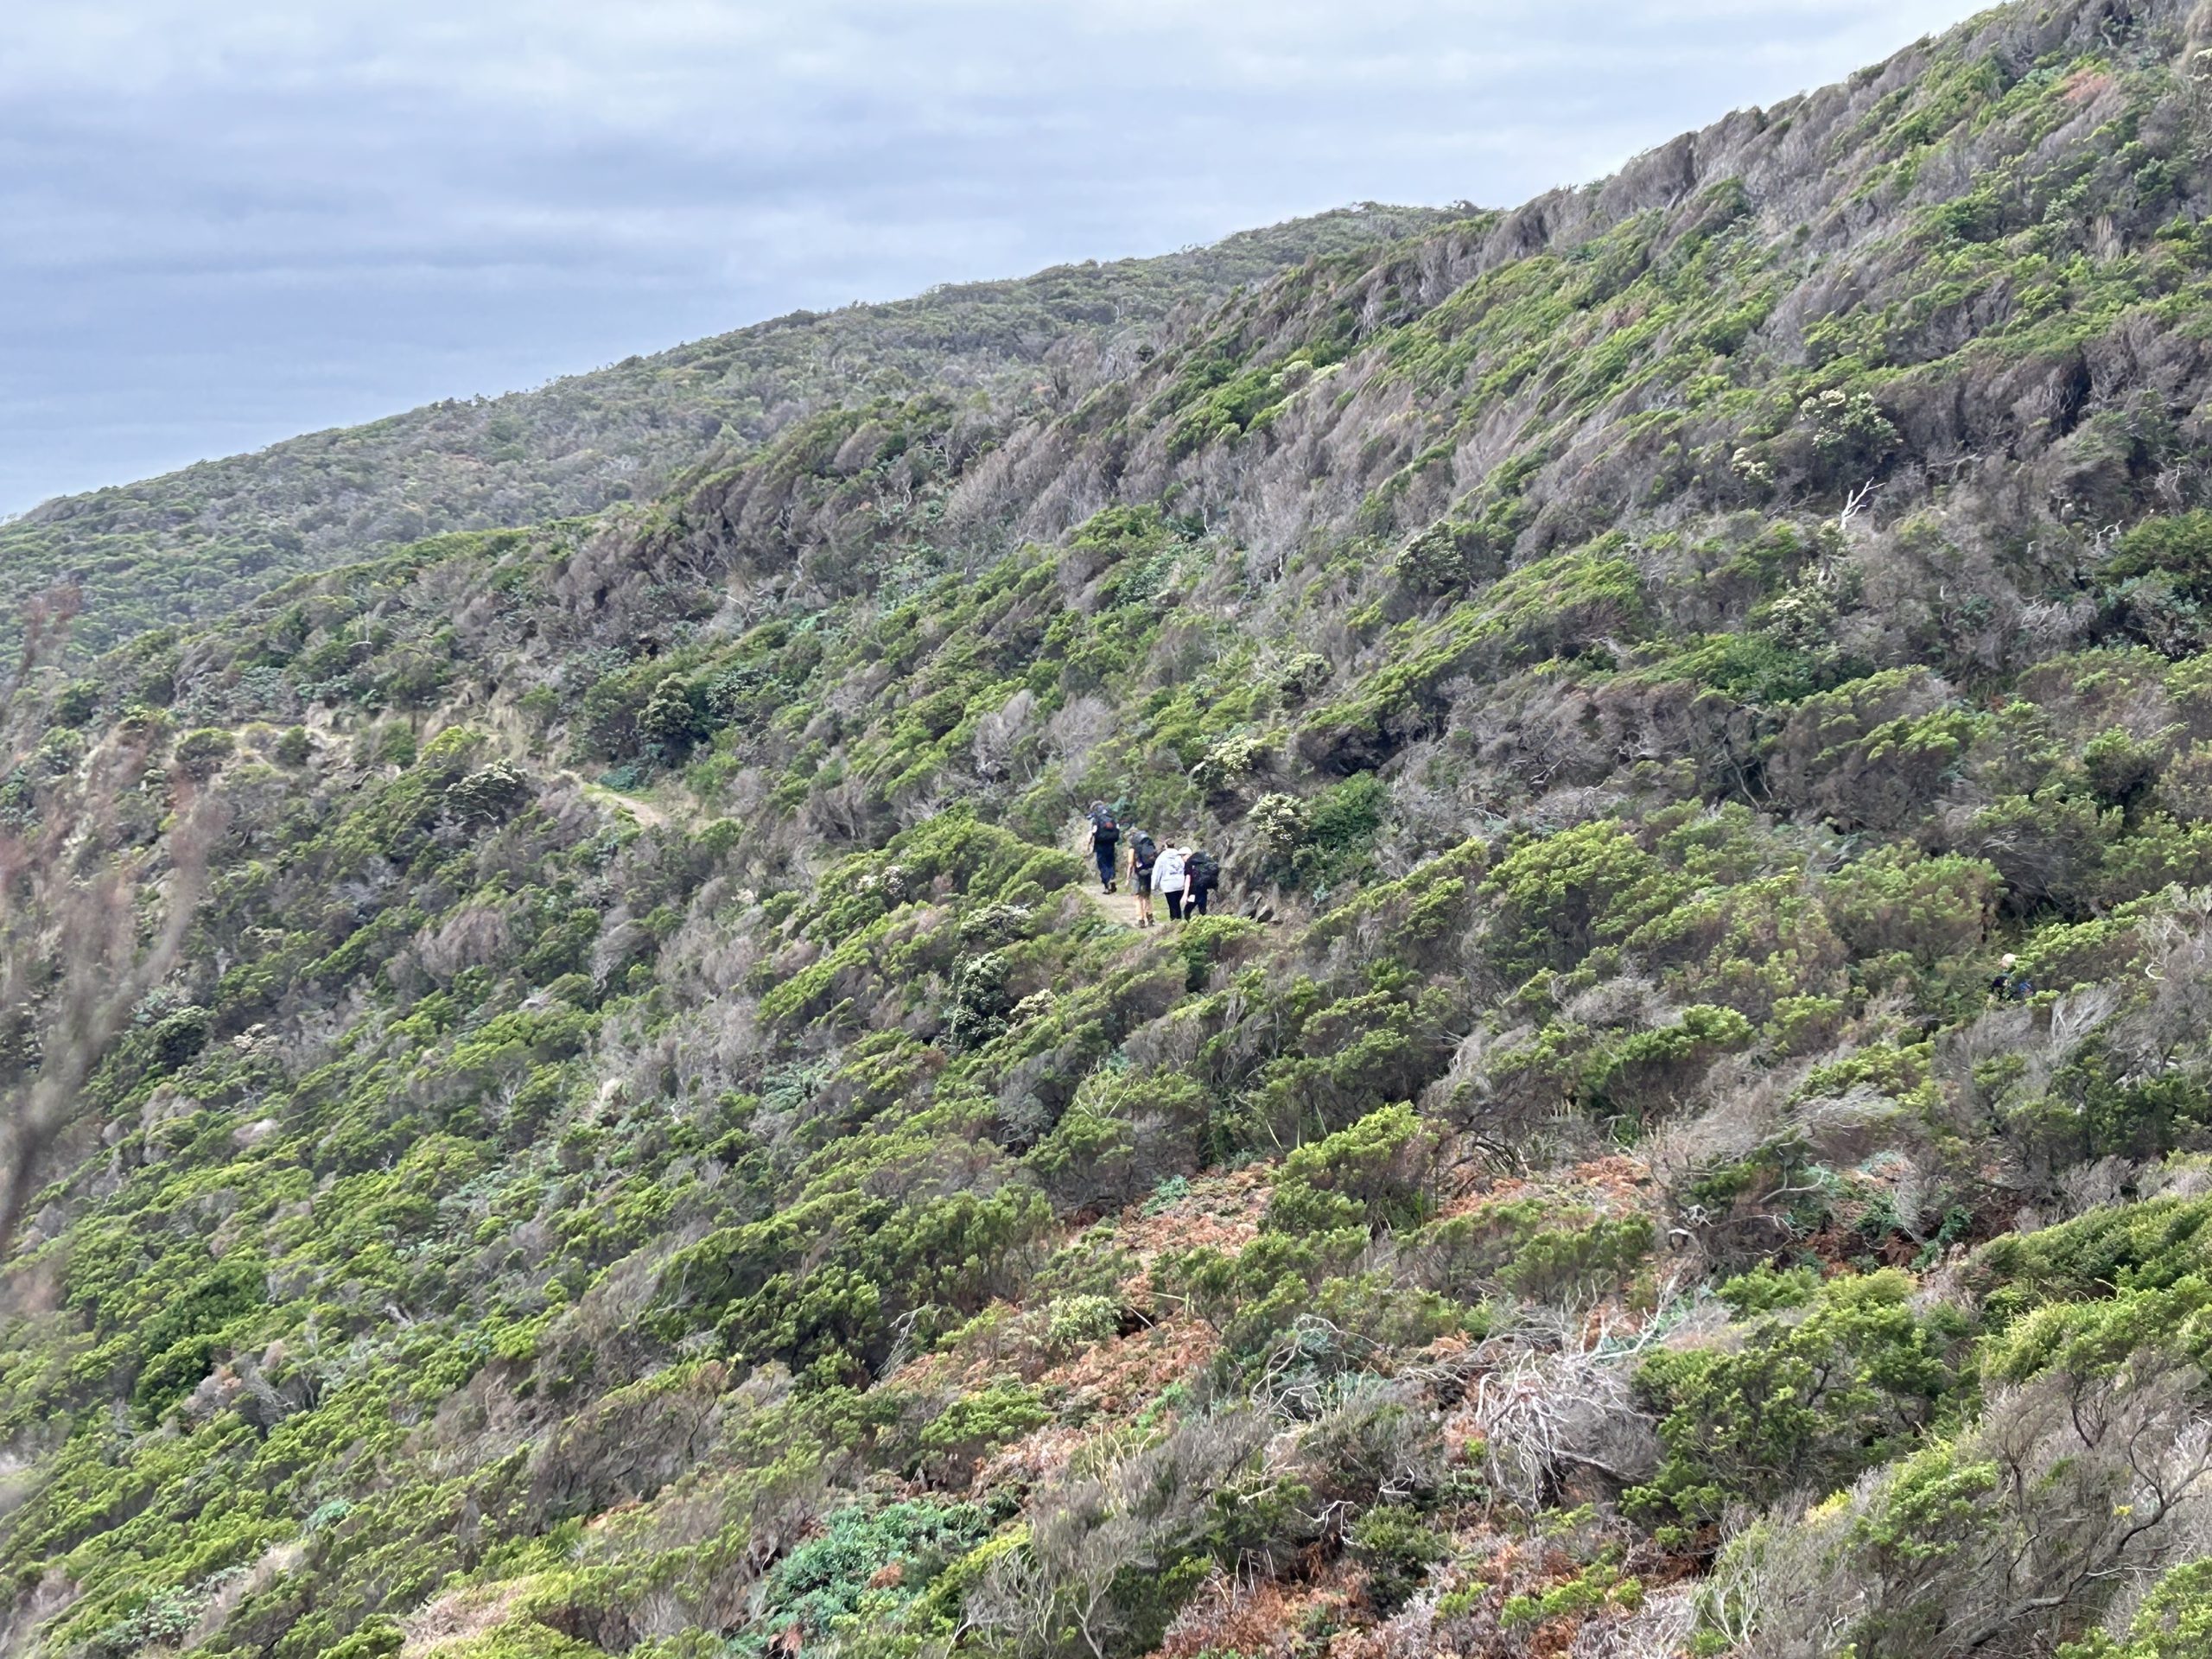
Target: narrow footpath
(1119, 906)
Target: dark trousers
(1105, 857)
(1175, 906)
(1196, 900)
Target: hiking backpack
(1147, 852)
(1106, 829)
(1202, 870)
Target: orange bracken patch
(1618, 1176)
(2085, 85)
(1262, 1619)
(1040, 1456)
(1119, 1375)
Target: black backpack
(1202, 870)
(1147, 852)
(1106, 829)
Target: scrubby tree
(94, 912)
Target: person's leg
(1198, 898)
(1104, 857)
(1175, 904)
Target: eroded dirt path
(1119, 906)
(501, 719)
(648, 816)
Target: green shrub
(1807, 1399)
(1648, 1072)
(1450, 556)
(180, 1036)
(2174, 1621)
(977, 1423)
(675, 716)
(2179, 547)
(1559, 896)
(1851, 438)
(487, 794)
(1597, 1587)
(1579, 1263)
(1205, 942)
(1078, 1321)
(200, 754)
(1396, 1547)
(1895, 902)
(1379, 1174)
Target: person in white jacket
(1167, 879)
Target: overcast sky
(225, 221)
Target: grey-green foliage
(788, 1205)
(197, 543)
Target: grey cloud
(230, 222)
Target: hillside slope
(1691, 1132)
(194, 543)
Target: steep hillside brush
(199, 543)
(1689, 1130)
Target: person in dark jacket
(1105, 842)
(2010, 985)
(1201, 875)
(1144, 851)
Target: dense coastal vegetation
(195, 544)
(624, 1131)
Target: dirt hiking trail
(1121, 905)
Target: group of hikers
(1185, 877)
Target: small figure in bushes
(1105, 842)
(1201, 875)
(2010, 985)
(1144, 855)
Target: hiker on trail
(1144, 855)
(1168, 876)
(1201, 875)
(1105, 842)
